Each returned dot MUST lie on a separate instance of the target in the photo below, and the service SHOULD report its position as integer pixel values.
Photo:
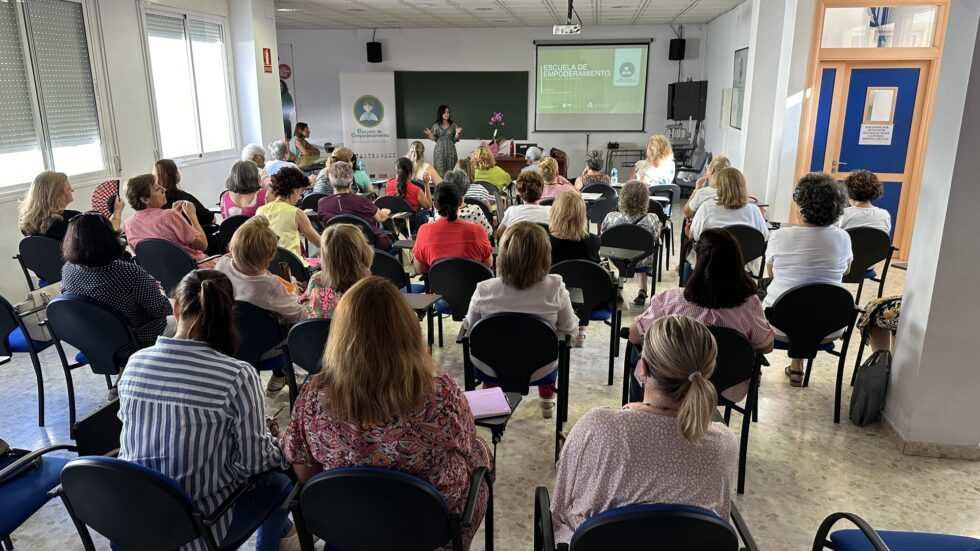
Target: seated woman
(529, 186)
(634, 206)
(570, 237)
(476, 191)
(658, 166)
(178, 225)
(402, 186)
(664, 449)
(245, 193)
(345, 201)
(485, 168)
(467, 212)
(421, 170)
(554, 183)
(168, 176)
(385, 406)
(215, 437)
(533, 157)
(523, 285)
(704, 188)
(44, 211)
(322, 182)
(816, 251)
(256, 154)
(94, 267)
(718, 293)
(731, 207)
(449, 236)
(362, 180)
(863, 187)
(285, 218)
(345, 259)
(592, 173)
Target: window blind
(64, 72)
(162, 26)
(17, 131)
(204, 31)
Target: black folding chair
(547, 201)
(666, 237)
(311, 201)
(101, 334)
(399, 206)
(869, 247)
(355, 220)
(644, 526)
(455, 279)
(514, 346)
(138, 508)
(165, 261)
(41, 255)
(599, 301)
(686, 175)
(260, 332)
(368, 508)
(307, 341)
(752, 243)
(598, 210)
(634, 237)
(809, 319)
(388, 266)
(285, 257)
(227, 228)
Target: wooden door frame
(928, 58)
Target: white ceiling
(366, 14)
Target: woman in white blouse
(731, 207)
(863, 187)
(658, 167)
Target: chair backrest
(736, 361)
(667, 526)
(259, 331)
(699, 158)
(670, 191)
(311, 201)
(483, 206)
(393, 203)
(42, 255)
(365, 508)
(455, 279)
(165, 261)
(749, 239)
(101, 333)
(491, 189)
(306, 341)
(296, 268)
(355, 220)
(547, 201)
(390, 268)
(869, 246)
(629, 236)
(598, 210)
(809, 313)
(514, 346)
(132, 506)
(598, 289)
(98, 433)
(228, 227)
(655, 208)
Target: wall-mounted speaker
(374, 52)
(676, 51)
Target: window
(188, 67)
(49, 114)
(881, 27)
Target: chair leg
(613, 336)
(488, 523)
(40, 389)
(626, 372)
(429, 333)
(6, 544)
(728, 415)
(440, 331)
(69, 383)
(743, 447)
(857, 299)
(837, 388)
(806, 376)
(857, 364)
(83, 532)
(469, 381)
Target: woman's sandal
(795, 377)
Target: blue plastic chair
(260, 332)
(41, 255)
(866, 538)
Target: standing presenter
(445, 133)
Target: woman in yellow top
(485, 168)
(285, 218)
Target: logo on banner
(368, 111)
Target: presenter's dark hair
(442, 109)
(403, 168)
(301, 126)
(447, 200)
(719, 279)
(207, 297)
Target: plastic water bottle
(614, 176)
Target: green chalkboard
(472, 96)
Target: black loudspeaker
(676, 52)
(374, 52)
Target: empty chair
(803, 329)
(390, 267)
(687, 174)
(870, 246)
(752, 243)
(455, 279)
(867, 538)
(42, 256)
(306, 342)
(165, 261)
(261, 336)
(598, 302)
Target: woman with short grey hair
(533, 157)
(280, 155)
(245, 193)
(256, 154)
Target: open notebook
(487, 402)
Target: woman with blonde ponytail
(664, 449)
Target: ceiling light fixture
(286, 10)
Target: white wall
(724, 35)
(320, 55)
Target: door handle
(837, 165)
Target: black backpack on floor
(871, 389)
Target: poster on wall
(287, 88)
(367, 104)
(739, 76)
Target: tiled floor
(801, 466)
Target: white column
(933, 403)
(253, 27)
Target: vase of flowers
(496, 126)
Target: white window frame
(103, 102)
(145, 8)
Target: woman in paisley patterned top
(445, 133)
(345, 258)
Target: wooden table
(514, 164)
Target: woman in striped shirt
(195, 414)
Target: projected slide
(591, 87)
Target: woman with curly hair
(816, 251)
(634, 206)
(862, 188)
(285, 218)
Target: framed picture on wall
(738, 87)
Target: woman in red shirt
(402, 186)
(449, 236)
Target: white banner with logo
(368, 105)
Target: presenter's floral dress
(444, 156)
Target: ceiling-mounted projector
(562, 30)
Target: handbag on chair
(37, 303)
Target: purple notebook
(487, 402)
